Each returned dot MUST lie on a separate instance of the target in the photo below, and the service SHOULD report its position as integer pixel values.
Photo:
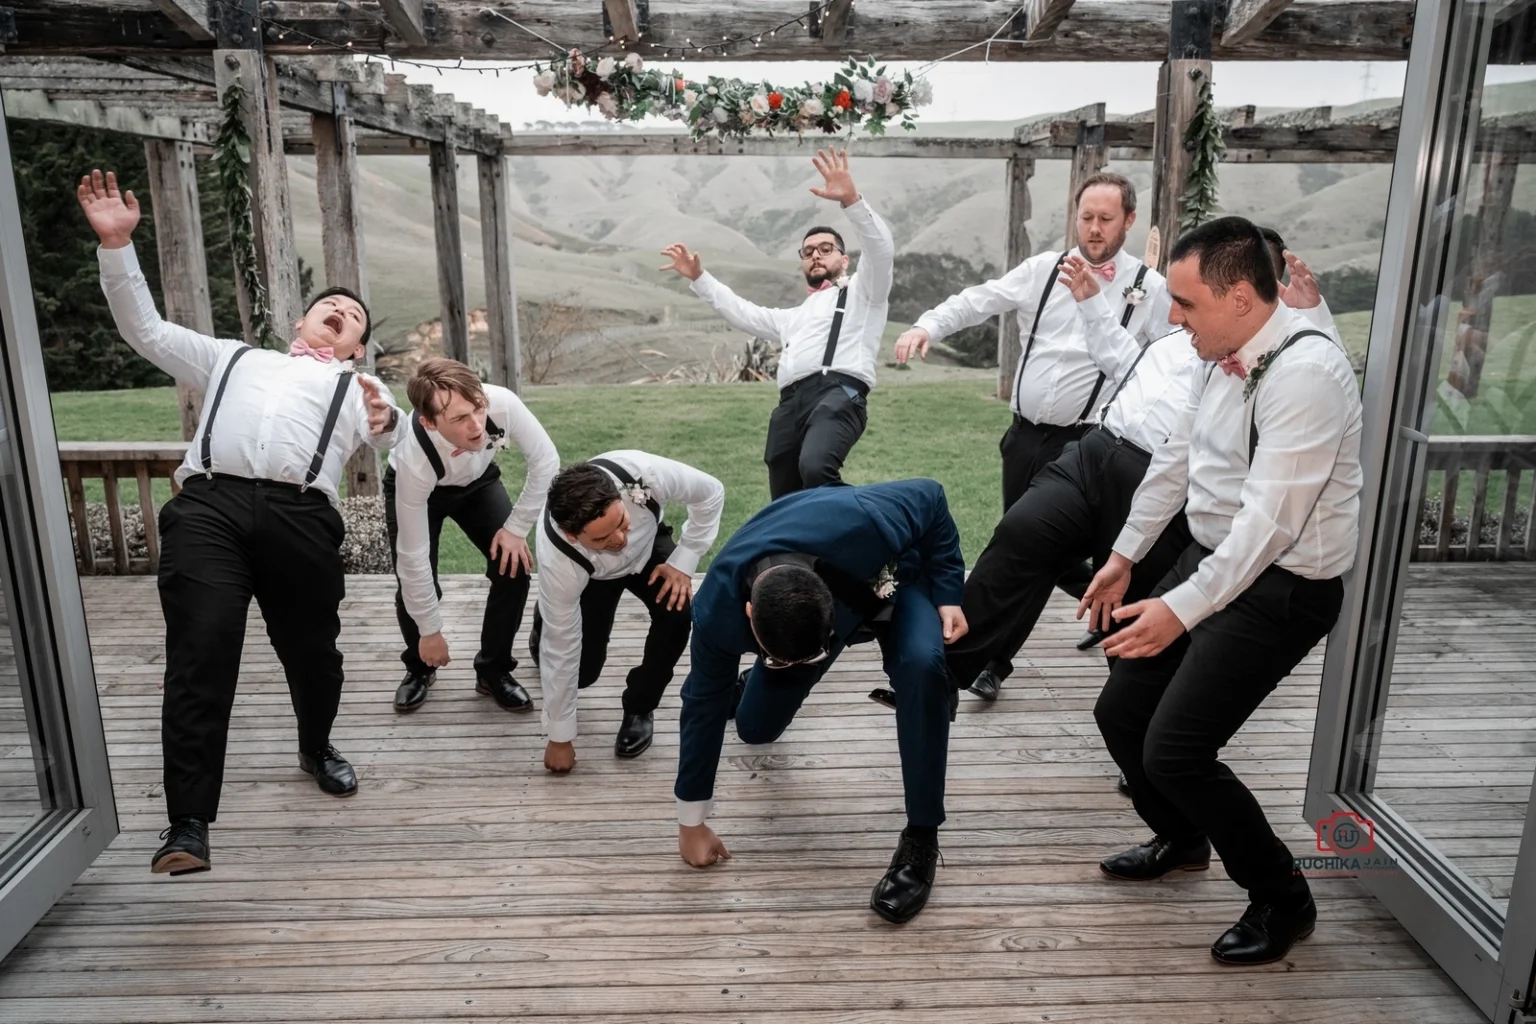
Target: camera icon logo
(1346, 834)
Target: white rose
(690, 97)
(892, 110)
(713, 91)
(634, 63)
(811, 108)
(864, 90)
(606, 67)
(720, 115)
(608, 105)
(759, 105)
(544, 81)
(921, 92)
(884, 89)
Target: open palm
(113, 215)
(838, 182)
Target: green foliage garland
(232, 163)
(1203, 139)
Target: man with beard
(1084, 317)
(829, 342)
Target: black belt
(821, 379)
(297, 490)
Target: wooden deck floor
(20, 801)
(463, 882)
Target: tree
(923, 280)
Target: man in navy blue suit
(796, 584)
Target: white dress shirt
(1146, 408)
(270, 418)
(1076, 341)
(562, 580)
(802, 331)
(416, 479)
(1297, 506)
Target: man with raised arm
(256, 517)
(829, 342)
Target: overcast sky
(977, 91)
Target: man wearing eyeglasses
(829, 342)
(794, 587)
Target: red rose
(680, 84)
(844, 100)
(775, 100)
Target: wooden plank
(500, 275)
(115, 518)
(1043, 17)
(1089, 156)
(190, 16)
(122, 451)
(85, 553)
(829, 23)
(450, 251)
(1447, 514)
(405, 18)
(1178, 95)
(679, 143)
(38, 105)
(623, 21)
(1247, 18)
(1017, 250)
(183, 260)
(150, 514)
(1479, 507)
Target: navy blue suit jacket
(859, 530)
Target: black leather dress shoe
(1158, 857)
(741, 688)
(412, 691)
(904, 890)
(986, 685)
(505, 691)
(1265, 933)
(1123, 786)
(635, 734)
(331, 771)
(1091, 639)
(185, 849)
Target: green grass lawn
(945, 429)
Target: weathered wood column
(238, 59)
(1088, 158)
(1020, 170)
(450, 249)
(500, 277)
(1486, 277)
(1187, 68)
(183, 260)
(341, 238)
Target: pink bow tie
(821, 287)
(301, 348)
(1233, 366)
(1104, 272)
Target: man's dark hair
(1276, 249)
(791, 612)
(824, 231)
(578, 495)
(1230, 250)
(1119, 181)
(346, 293)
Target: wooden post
(500, 277)
(450, 250)
(1020, 170)
(1088, 158)
(183, 260)
(1187, 68)
(341, 238)
(1487, 275)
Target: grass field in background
(947, 430)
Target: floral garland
(624, 90)
(232, 163)
(1203, 138)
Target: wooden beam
(1040, 128)
(1044, 16)
(1179, 79)
(1089, 156)
(450, 251)
(1094, 30)
(830, 23)
(183, 260)
(1020, 170)
(405, 18)
(500, 277)
(191, 16)
(623, 20)
(1247, 18)
(271, 206)
(35, 105)
(679, 144)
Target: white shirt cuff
(118, 261)
(1096, 306)
(694, 812)
(563, 731)
(684, 560)
(1191, 606)
(929, 324)
(1131, 544)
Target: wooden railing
(1505, 459)
(114, 463)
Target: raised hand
(1078, 276)
(381, 414)
(913, 342)
(112, 214)
(683, 262)
(838, 183)
(1302, 292)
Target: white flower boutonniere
(497, 442)
(1134, 294)
(1252, 380)
(885, 583)
(638, 492)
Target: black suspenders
(1018, 380)
(430, 449)
(1123, 381)
(568, 549)
(1125, 319)
(339, 396)
(837, 328)
(624, 478)
(1253, 416)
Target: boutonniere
(497, 442)
(1254, 374)
(638, 492)
(1134, 294)
(884, 582)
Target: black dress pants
(224, 541)
(665, 641)
(480, 509)
(1070, 515)
(1166, 718)
(815, 425)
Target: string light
(728, 41)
